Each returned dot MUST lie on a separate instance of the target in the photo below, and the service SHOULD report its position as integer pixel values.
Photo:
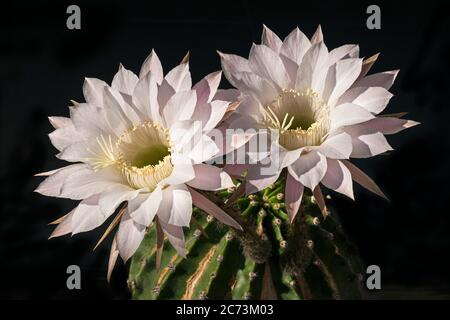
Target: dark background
(43, 64)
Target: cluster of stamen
(301, 118)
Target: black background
(43, 64)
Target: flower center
(301, 117)
(143, 155)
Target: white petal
(343, 52)
(60, 122)
(179, 78)
(309, 169)
(87, 216)
(338, 146)
(338, 178)
(373, 99)
(93, 91)
(266, 63)
(62, 137)
(317, 36)
(295, 45)
(260, 88)
(182, 172)
(313, 69)
(124, 81)
(207, 87)
(270, 39)
(383, 79)
(389, 125)
(232, 65)
(180, 107)
(144, 208)
(294, 194)
(369, 145)
(208, 177)
(210, 114)
(348, 114)
(52, 185)
(152, 64)
(181, 209)
(129, 236)
(165, 92)
(340, 77)
(145, 97)
(110, 199)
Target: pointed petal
(270, 39)
(338, 146)
(338, 178)
(317, 36)
(383, 79)
(175, 236)
(144, 208)
(129, 236)
(348, 114)
(114, 253)
(211, 208)
(363, 179)
(152, 64)
(180, 107)
(294, 194)
(267, 64)
(208, 177)
(295, 45)
(373, 99)
(181, 210)
(309, 169)
(93, 91)
(232, 65)
(124, 81)
(367, 65)
(207, 87)
(313, 69)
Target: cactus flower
(321, 107)
(142, 142)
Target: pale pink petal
(257, 179)
(175, 236)
(348, 114)
(181, 209)
(180, 107)
(317, 36)
(207, 87)
(165, 92)
(389, 125)
(124, 80)
(294, 194)
(266, 63)
(60, 122)
(209, 207)
(383, 79)
(343, 52)
(129, 236)
(233, 65)
(179, 78)
(338, 178)
(93, 91)
(152, 64)
(144, 208)
(373, 99)
(212, 178)
(367, 65)
(313, 69)
(367, 141)
(338, 146)
(270, 39)
(87, 215)
(317, 193)
(62, 137)
(340, 77)
(52, 185)
(260, 88)
(364, 180)
(145, 97)
(111, 198)
(64, 227)
(295, 45)
(309, 169)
